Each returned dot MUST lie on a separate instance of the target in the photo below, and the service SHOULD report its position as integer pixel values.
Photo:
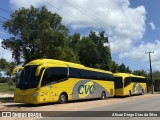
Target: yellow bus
(129, 84)
(48, 80)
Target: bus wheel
(103, 95)
(62, 98)
(142, 92)
(129, 93)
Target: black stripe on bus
(87, 74)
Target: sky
(132, 26)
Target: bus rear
(129, 84)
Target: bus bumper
(29, 99)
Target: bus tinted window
(75, 73)
(127, 81)
(86, 74)
(53, 75)
(134, 79)
(27, 78)
(118, 82)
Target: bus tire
(103, 95)
(129, 93)
(142, 92)
(62, 98)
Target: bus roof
(52, 61)
(63, 63)
(138, 76)
(126, 75)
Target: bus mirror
(38, 70)
(16, 69)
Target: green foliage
(140, 73)
(74, 42)
(88, 53)
(122, 68)
(156, 75)
(5, 89)
(92, 50)
(7, 67)
(0, 75)
(114, 67)
(3, 64)
(3, 80)
(101, 42)
(157, 83)
(156, 78)
(38, 33)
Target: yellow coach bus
(129, 84)
(47, 80)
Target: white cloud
(25, 3)
(6, 54)
(138, 53)
(152, 25)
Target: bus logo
(86, 89)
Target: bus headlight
(35, 95)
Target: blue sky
(152, 8)
(135, 25)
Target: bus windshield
(118, 82)
(28, 79)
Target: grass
(4, 88)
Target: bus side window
(127, 81)
(53, 75)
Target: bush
(3, 80)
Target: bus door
(128, 86)
(118, 86)
(51, 81)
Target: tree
(74, 42)
(140, 73)
(93, 50)
(104, 51)
(0, 74)
(88, 54)
(122, 68)
(7, 67)
(3, 64)
(156, 79)
(128, 70)
(37, 33)
(114, 67)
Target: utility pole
(151, 69)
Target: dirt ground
(4, 95)
(70, 106)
